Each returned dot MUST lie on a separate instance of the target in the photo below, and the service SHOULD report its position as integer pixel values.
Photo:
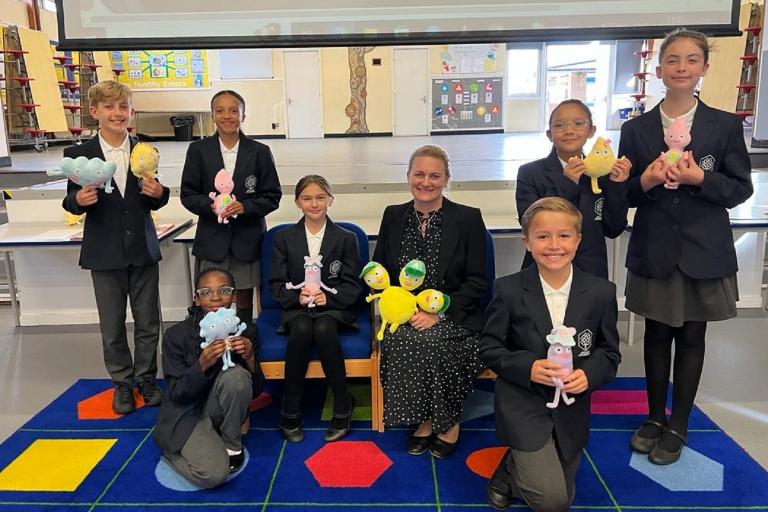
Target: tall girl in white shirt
(315, 234)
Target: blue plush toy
(87, 172)
(221, 324)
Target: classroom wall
(14, 12)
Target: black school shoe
(236, 461)
(150, 391)
(122, 401)
(642, 444)
(340, 426)
(662, 456)
(292, 429)
(499, 493)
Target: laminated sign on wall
(162, 69)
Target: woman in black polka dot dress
(427, 366)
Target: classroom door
(303, 97)
(411, 89)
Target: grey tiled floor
(37, 364)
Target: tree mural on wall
(358, 78)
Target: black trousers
(303, 332)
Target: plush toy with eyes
(396, 303)
(221, 324)
(87, 172)
(144, 160)
(599, 162)
(677, 138)
(560, 343)
(224, 185)
(312, 280)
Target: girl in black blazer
(561, 174)
(315, 234)
(428, 365)
(236, 245)
(681, 260)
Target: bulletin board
(162, 69)
(467, 103)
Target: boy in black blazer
(545, 444)
(120, 248)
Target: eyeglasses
(224, 291)
(576, 124)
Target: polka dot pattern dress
(427, 374)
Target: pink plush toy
(677, 137)
(224, 184)
(312, 280)
(560, 343)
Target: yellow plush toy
(599, 162)
(144, 160)
(433, 301)
(396, 304)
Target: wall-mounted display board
(467, 103)
(144, 24)
(162, 69)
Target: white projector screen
(142, 24)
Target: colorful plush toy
(221, 324)
(433, 301)
(599, 162)
(677, 137)
(312, 279)
(85, 172)
(144, 160)
(560, 343)
(224, 185)
(396, 304)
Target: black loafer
(499, 493)
(293, 435)
(441, 449)
(418, 445)
(642, 444)
(663, 457)
(334, 433)
(236, 461)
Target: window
(48, 5)
(523, 69)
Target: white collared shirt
(557, 299)
(121, 156)
(229, 156)
(315, 241)
(666, 121)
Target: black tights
(323, 331)
(689, 362)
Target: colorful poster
(162, 69)
(469, 59)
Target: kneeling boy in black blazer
(545, 444)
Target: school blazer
(689, 227)
(516, 325)
(119, 231)
(341, 270)
(604, 215)
(188, 386)
(462, 263)
(257, 187)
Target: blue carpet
(715, 474)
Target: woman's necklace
(424, 220)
